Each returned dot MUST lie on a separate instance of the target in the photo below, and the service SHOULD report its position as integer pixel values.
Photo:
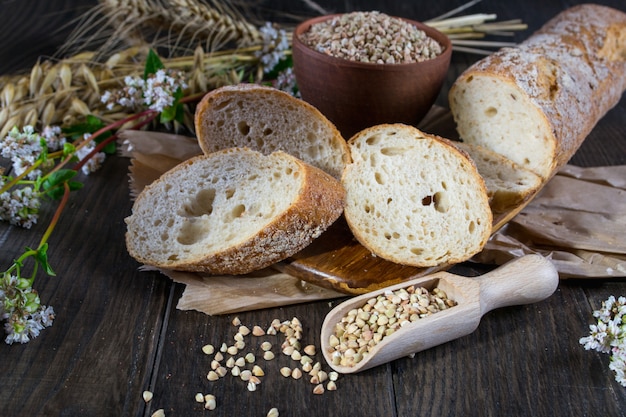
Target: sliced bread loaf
(267, 119)
(413, 198)
(535, 103)
(508, 184)
(232, 212)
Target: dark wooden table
(117, 330)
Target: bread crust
(267, 107)
(319, 203)
(573, 70)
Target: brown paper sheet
(578, 221)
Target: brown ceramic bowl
(356, 95)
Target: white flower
(618, 365)
(286, 81)
(23, 149)
(54, 139)
(608, 335)
(275, 43)
(20, 207)
(95, 162)
(156, 92)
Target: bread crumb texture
(413, 198)
(267, 120)
(228, 212)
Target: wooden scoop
(524, 280)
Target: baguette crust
(413, 198)
(542, 98)
(318, 202)
(266, 119)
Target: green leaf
(42, 258)
(78, 130)
(58, 178)
(68, 149)
(53, 183)
(153, 64)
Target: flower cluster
(21, 310)
(157, 91)
(25, 147)
(29, 153)
(286, 81)
(609, 335)
(20, 206)
(275, 43)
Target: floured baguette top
(535, 103)
(413, 198)
(267, 119)
(508, 184)
(232, 212)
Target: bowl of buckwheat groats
(362, 69)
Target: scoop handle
(524, 280)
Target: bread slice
(535, 103)
(413, 198)
(508, 184)
(267, 119)
(232, 212)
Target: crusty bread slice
(413, 198)
(267, 119)
(508, 184)
(232, 212)
(535, 103)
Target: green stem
(104, 130)
(20, 261)
(57, 215)
(17, 179)
(152, 115)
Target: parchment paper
(578, 221)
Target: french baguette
(535, 103)
(414, 199)
(267, 119)
(232, 212)
(508, 184)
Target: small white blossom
(275, 43)
(155, 93)
(20, 325)
(20, 207)
(286, 81)
(23, 148)
(53, 137)
(95, 162)
(608, 335)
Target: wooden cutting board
(337, 261)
